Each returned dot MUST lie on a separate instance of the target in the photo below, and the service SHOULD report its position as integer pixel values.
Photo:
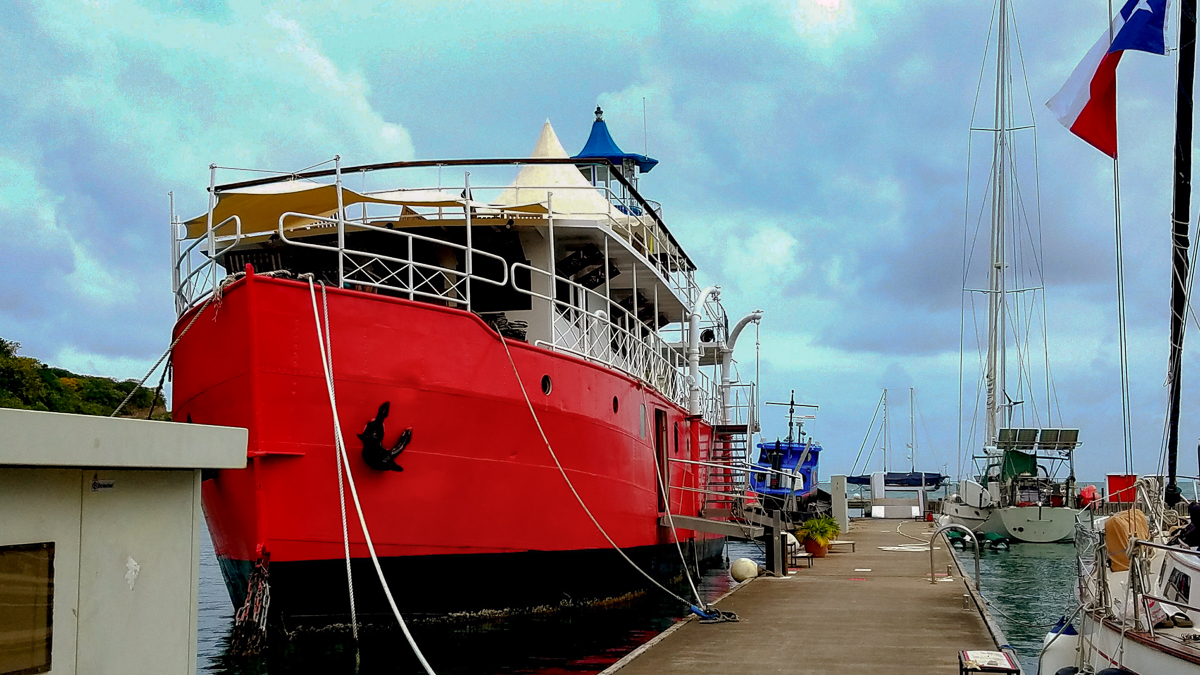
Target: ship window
(1179, 586)
(547, 385)
(642, 422)
(615, 404)
(26, 613)
(677, 438)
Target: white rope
(328, 352)
(341, 449)
(663, 482)
(566, 478)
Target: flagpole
(1123, 340)
(1179, 230)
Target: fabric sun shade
(570, 192)
(1087, 103)
(260, 207)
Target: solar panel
(1049, 439)
(1069, 438)
(1026, 439)
(1006, 438)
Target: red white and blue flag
(1087, 103)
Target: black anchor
(373, 453)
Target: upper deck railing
(585, 323)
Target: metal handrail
(644, 350)
(940, 530)
(209, 263)
(411, 288)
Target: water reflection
(571, 641)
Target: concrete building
(100, 541)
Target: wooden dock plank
(835, 617)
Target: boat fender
(1068, 670)
(1116, 671)
(373, 453)
(743, 569)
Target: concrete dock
(870, 611)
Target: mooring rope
(328, 352)
(702, 610)
(341, 450)
(663, 482)
(163, 357)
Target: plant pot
(817, 550)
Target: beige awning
(260, 207)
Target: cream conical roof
(571, 192)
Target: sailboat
(1016, 494)
(884, 481)
(1135, 569)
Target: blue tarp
(896, 479)
(600, 145)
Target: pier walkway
(871, 611)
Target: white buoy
(743, 569)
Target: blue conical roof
(600, 145)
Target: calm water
(1028, 587)
(576, 641)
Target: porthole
(616, 405)
(547, 385)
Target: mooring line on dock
(700, 609)
(663, 482)
(340, 447)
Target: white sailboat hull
(1103, 646)
(1032, 524)
(978, 519)
(1038, 524)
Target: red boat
(434, 301)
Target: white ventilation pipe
(693, 347)
(727, 361)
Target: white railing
(743, 406)
(405, 275)
(195, 270)
(594, 327)
(628, 217)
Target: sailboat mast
(996, 305)
(912, 431)
(885, 431)
(1179, 228)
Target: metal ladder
(726, 483)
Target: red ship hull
(480, 503)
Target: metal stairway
(725, 484)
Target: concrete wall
(36, 438)
(110, 616)
(120, 500)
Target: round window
(547, 385)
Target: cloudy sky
(814, 162)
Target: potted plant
(817, 533)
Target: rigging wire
(866, 437)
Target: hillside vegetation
(30, 384)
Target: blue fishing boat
(784, 477)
